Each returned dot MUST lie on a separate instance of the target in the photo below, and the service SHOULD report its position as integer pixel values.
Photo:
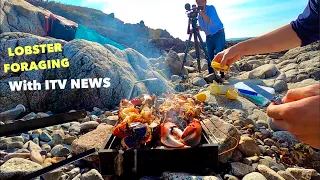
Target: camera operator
(211, 24)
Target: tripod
(197, 39)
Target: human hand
(300, 114)
(229, 56)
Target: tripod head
(192, 14)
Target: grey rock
(209, 78)
(112, 120)
(89, 125)
(31, 146)
(176, 78)
(13, 145)
(60, 151)
(73, 173)
(285, 136)
(225, 130)
(230, 177)
(240, 169)
(251, 160)
(248, 147)
(92, 175)
(271, 163)
(45, 136)
(190, 69)
(58, 137)
(264, 72)
(54, 175)
(271, 142)
(291, 66)
(30, 116)
(46, 147)
(269, 173)
(17, 167)
(254, 176)
(93, 62)
(236, 156)
(199, 82)
(176, 176)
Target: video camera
(194, 11)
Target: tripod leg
(185, 54)
(196, 43)
(206, 52)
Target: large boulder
(87, 60)
(21, 16)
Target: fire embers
(136, 118)
(180, 127)
(139, 121)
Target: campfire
(174, 123)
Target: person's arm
(278, 40)
(205, 17)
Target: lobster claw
(192, 134)
(170, 135)
(121, 130)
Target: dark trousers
(215, 44)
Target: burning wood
(176, 121)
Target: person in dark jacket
(300, 111)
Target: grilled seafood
(136, 118)
(180, 126)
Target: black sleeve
(307, 24)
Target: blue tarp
(91, 35)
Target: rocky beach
(261, 154)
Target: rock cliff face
(87, 60)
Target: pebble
(16, 139)
(36, 140)
(13, 145)
(57, 137)
(262, 149)
(251, 160)
(75, 128)
(240, 169)
(271, 163)
(35, 156)
(35, 134)
(248, 147)
(69, 139)
(271, 142)
(108, 113)
(73, 173)
(112, 120)
(269, 173)
(262, 123)
(42, 115)
(53, 175)
(26, 137)
(236, 156)
(30, 116)
(60, 151)
(92, 175)
(254, 176)
(286, 137)
(230, 177)
(45, 136)
(16, 155)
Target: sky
(241, 18)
